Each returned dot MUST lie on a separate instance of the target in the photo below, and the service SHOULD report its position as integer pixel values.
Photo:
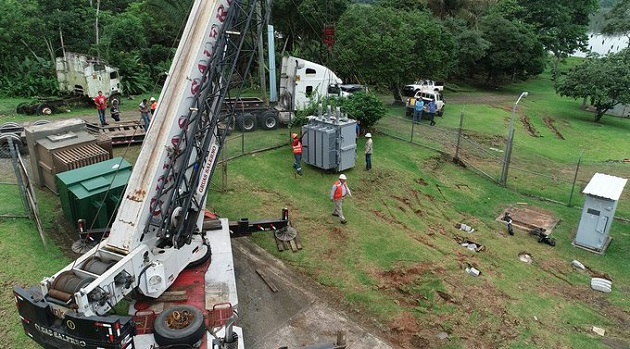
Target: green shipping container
(93, 192)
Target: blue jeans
(417, 115)
(297, 163)
(145, 121)
(101, 116)
(368, 161)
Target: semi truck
(301, 83)
(158, 230)
(80, 78)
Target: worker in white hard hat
(296, 148)
(368, 151)
(338, 192)
(153, 105)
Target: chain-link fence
(527, 173)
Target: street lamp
(508, 146)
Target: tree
(412, 43)
(301, 23)
(561, 25)
(603, 81)
(514, 51)
(617, 20)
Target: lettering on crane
(206, 170)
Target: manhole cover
(286, 234)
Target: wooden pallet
(293, 245)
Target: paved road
(294, 316)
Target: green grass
(399, 249)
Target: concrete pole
(508, 147)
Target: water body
(603, 44)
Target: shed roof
(605, 186)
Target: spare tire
(179, 327)
(268, 120)
(246, 122)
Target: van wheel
(440, 112)
(268, 120)
(246, 122)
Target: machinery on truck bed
(158, 230)
(80, 77)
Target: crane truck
(158, 229)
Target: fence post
(459, 134)
(577, 169)
(413, 124)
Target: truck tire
(268, 120)
(5, 150)
(115, 96)
(440, 112)
(44, 109)
(246, 122)
(179, 327)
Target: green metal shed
(93, 192)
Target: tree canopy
(603, 81)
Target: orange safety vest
(297, 147)
(339, 190)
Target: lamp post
(508, 146)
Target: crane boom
(157, 231)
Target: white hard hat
(342, 176)
(152, 99)
(368, 135)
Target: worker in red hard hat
(338, 192)
(296, 145)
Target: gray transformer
(602, 195)
(330, 143)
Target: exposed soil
(549, 122)
(531, 130)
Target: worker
(101, 105)
(143, 108)
(368, 151)
(296, 145)
(418, 109)
(153, 105)
(338, 192)
(115, 111)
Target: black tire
(5, 151)
(44, 109)
(179, 337)
(115, 96)
(41, 122)
(268, 120)
(246, 122)
(204, 258)
(440, 112)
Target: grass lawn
(399, 260)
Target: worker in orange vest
(296, 145)
(153, 105)
(338, 192)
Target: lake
(603, 44)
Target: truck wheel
(179, 327)
(44, 109)
(268, 120)
(246, 122)
(41, 122)
(440, 112)
(115, 96)
(5, 150)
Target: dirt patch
(550, 123)
(531, 130)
